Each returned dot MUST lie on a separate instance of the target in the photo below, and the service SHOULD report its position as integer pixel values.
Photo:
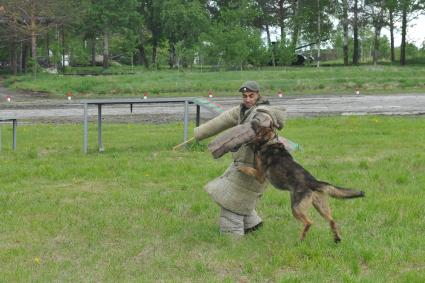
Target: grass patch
(138, 212)
(293, 81)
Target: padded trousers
(236, 224)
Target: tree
(342, 15)
(152, 12)
(231, 41)
(376, 11)
(91, 30)
(110, 16)
(316, 24)
(10, 41)
(409, 10)
(30, 18)
(264, 20)
(296, 22)
(24, 17)
(392, 6)
(183, 23)
(283, 10)
(356, 53)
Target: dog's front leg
(252, 172)
(259, 165)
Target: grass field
(292, 81)
(138, 213)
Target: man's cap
(250, 86)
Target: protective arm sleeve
(276, 116)
(263, 119)
(218, 124)
(234, 138)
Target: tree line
(181, 33)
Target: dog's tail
(339, 192)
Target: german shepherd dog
(273, 162)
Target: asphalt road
(29, 107)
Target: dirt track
(38, 108)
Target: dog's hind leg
(300, 204)
(320, 202)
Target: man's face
(250, 98)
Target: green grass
(293, 81)
(138, 212)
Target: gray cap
(249, 85)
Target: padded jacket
(235, 190)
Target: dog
(274, 163)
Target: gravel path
(31, 107)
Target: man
(236, 192)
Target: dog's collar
(272, 141)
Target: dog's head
(262, 134)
